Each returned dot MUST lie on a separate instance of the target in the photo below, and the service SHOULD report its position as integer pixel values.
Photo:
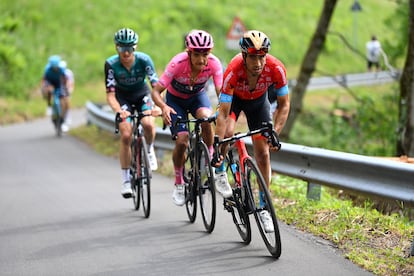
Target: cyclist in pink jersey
(248, 79)
(185, 78)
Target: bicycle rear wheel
(257, 189)
(206, 191)
(190, 188)
(144, 176)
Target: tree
(308, 64)
(405, 145)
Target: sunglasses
(129, 49)
(260, 52)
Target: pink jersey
(235, 77)
(176, 77)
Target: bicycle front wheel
(206, 191)
(240, 217)
(190, 187)
(262, 207)
(57, 116)
(144, 176)
(136, 189)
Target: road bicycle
(198, 174)
(57, 114)
(250, 193)
(140, 169)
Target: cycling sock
(125, 175)
(179, 179)
(220, 169)
(150, 146)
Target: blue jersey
(54, 76)
(130, 85)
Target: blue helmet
(126, 37)
(54, 61)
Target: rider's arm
(223, 113)
(156, 95)
(159, 101)
(281, 114)
(110, 84)
(113, 102)
(217, 73)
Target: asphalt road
(61, 213)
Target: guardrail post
(313, 191)
(412, 249)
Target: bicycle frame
(198, 181)
(250, 192)
(57, 117)
(140, 173)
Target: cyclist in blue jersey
(54, 77)
(127, 89)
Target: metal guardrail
(348, 80)
(363, 174)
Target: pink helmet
(199, 40)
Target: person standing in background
(373, 48)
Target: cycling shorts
(257, 111)
(48, 87)
(143, 104)
(185, 106)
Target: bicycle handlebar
(267, 131)
(138, 116)
(180, 120)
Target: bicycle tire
(136, 191)
(235, 206)
(206, 191)
(190, 187)
(57, 116)
(144, 176)
(241, 218)
(254, 184)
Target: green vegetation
(377, 242)
(82, 32)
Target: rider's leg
(64, 104)
(149, 133)
(124, 148)
(207, 128)
(178, 156)
(148, 123)
(262, 157)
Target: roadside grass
(377, 242)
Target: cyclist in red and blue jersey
(126, 75)
(185, 79)
(54, 78)
(246, 84)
